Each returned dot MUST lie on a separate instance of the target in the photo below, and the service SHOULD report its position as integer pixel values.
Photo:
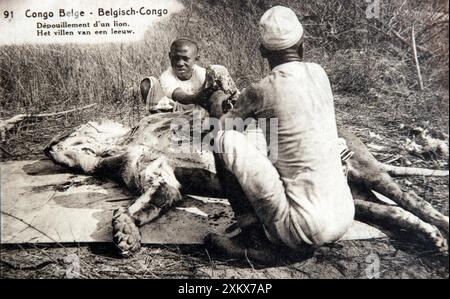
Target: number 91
(8, 14)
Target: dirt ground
(380, 258)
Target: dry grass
(347, 260)
(338, 36)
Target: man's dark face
(182, 59)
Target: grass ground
(375, 91)
(351, 259)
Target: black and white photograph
(192, 140)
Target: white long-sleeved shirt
(305, 152)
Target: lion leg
(394, 219)
(160, 191)
(364, 169)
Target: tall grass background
(365, 61)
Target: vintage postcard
(224, 139)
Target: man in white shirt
(298, 197)
(180, 87)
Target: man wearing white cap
(299, 197)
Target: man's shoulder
(263, 84)
(199, 68)
(312, 68)
(200, 72)
(315, 67)
(167, 74)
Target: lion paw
(440, 243)
(126, 234)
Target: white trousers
(262, 185)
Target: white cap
(280, 28)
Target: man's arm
(185, 98)
(172, 90)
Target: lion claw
(126, 235)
